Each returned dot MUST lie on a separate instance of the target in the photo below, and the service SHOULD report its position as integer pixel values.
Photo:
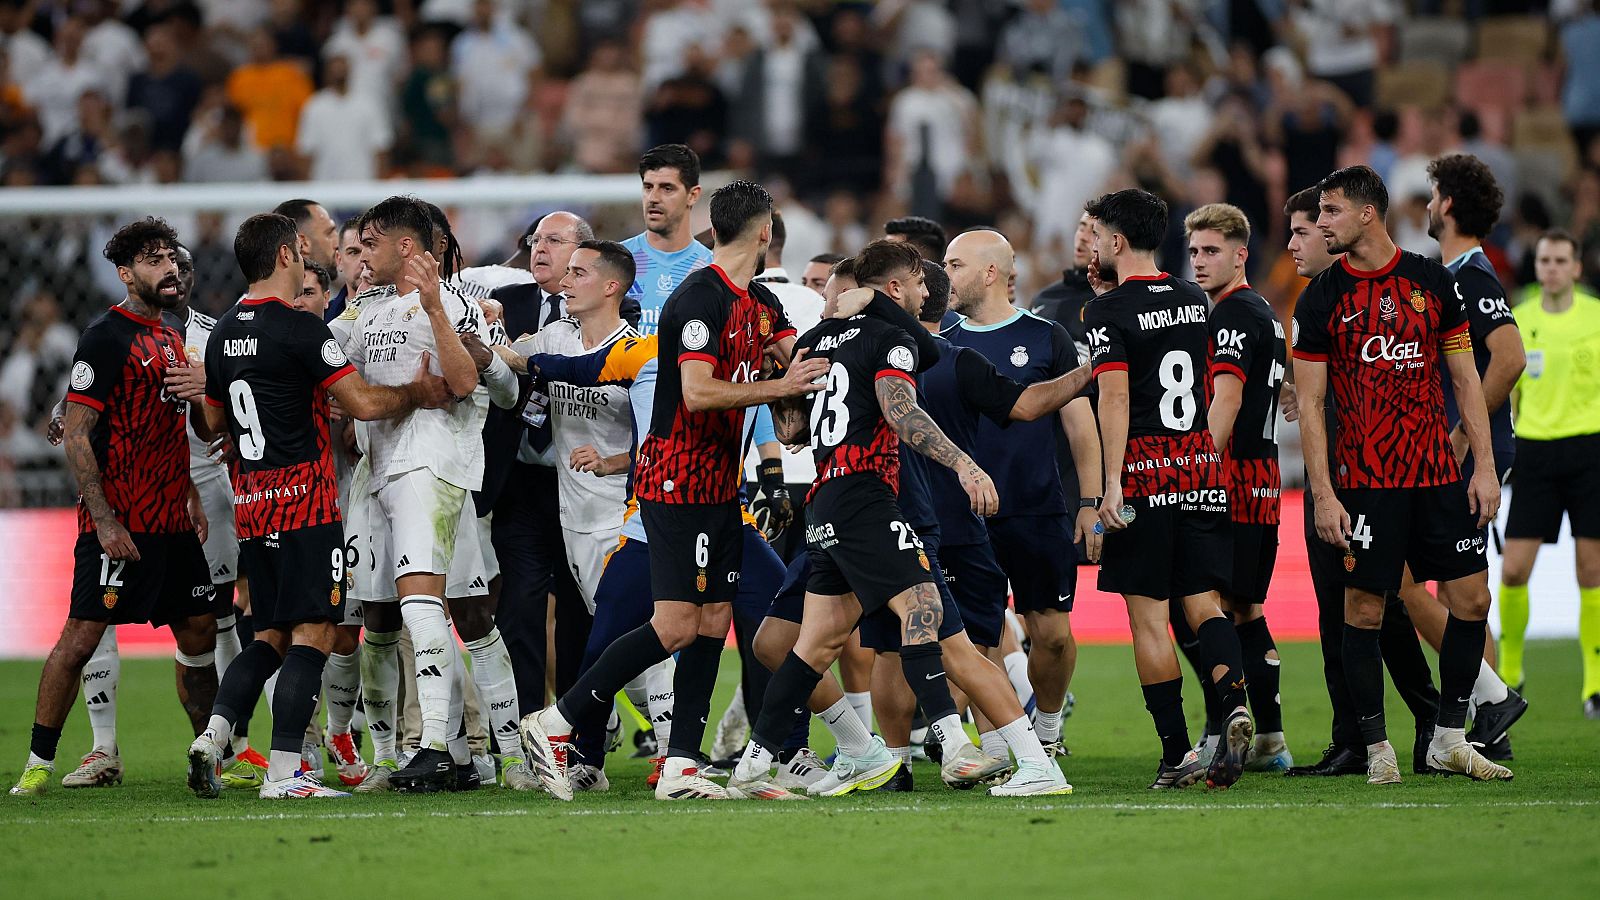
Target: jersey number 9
(252, 443)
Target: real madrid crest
(1019, 356)
(1418, 302)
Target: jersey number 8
(1177, 402)
(252, 443)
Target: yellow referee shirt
(1558, 395)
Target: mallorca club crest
(1350, 560)
(765, 324)
(110, 598)
(335, 595)
(1019, 356)
(922, 557)
(1418, 302)
(700, 581)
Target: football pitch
(1538, 836)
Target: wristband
(1089, 502)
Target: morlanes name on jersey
(1166, 318)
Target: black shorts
(880, 631)
(1255, 555)
(789, 604)
(1554, 478)
(1427, 528)
(168, 583)
(979, 588)
(296, 576)
(860, 543)
(1167, 553)
(696, 550)
(1033, 552)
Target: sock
(1219, 645)
(1459, 660)
(343, 684)
(1047, 725)
(299, 680)
(1020, 736)
(1261, 673)
(42, 747)
(455, 724)
(1589, 638)
(380, 684)
(240, 690)
(692, 685)
(951, 735)
(228, 646)
(1363, 671)
(756, 762)
(595, 688)
(861, 702)
(658, 685)
(244, 625)
(497, 685)
(993, 745)
(791, 684)
(1514, 629)
(1015, 624)
(1164, 700)
(844, 724)
(100, 679)
(923, 665)
(1488, 688)
(433, 646)
(903, 754)
(1017, 671)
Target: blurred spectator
(931, 137)
(52, 89)
(167, 91)
(110, 44)
(344, 134)
(1494, 155)
(1341, 40)
(602, 120)
(1580, 87)
(778, 84)
(1409, 177)
(34, 374)
(690, 109)
(375, 47)
(978, 26)
(287, 19)
(670, 33)
(428, 103)
(1383, 154)
(841, 215)
(915, 26)
(1182, 118)
(844, 133)
(493, 60)
(91, 136)
(26, 52)
(1306, 122)
(1153, 35)
(20, 448)
(852, 41)
(1233, 149)
(269, 90)
(1073, 166)
(220, 152)
(1044, 39)
(1585, 225)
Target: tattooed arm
(114, 538)
(897, 397)
(791, 420)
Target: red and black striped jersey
(268, 367)
(694, 457)
(1247, 342)
(139, 440)
(1383, 335)
(848, 431)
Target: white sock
(658, 685)
(227, 644)
(861, 701)
(1269, 739)
(219, 730)
(100, 679)
(1048, 724)
(456, 736)
(852, 737)
(901, 753)
(1015, 624)
(1489, 688)
(638, 694)
(341, 678)
(497, 685)
(1017, 672)
(380, 686)
(678, 765)
(39, 760)
(992, 744)
(239, 744)
(1023, 741)
(434, 649)
(755, 763)
(1446, 737)
(952, 737)
(282, 764)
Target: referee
(1557, 403)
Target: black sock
(923, 665)
(295, 700)
(785, 702)
(44, 742)
(1261, 674)
(1460, 660)
(801, 735)
(1407, 664)
(596, 689)
(692, 685)
(241, 686)
(1219, 646)
(1363, 669)
(1165, 702)
(245, 624)
(1189, 646)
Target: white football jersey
(197, 329)
(596, 416)
(386, 346)
(476, 282)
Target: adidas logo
(98, 699)
(477, 584)
(379, 727)
(430, 672)
(220, 571)
(404, 561)
(508, 728)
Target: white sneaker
(803, 770)
(486, 767)
(733, 729)
(98, 769)
(688, 784)
(311, 760)
(1450, 753)
(346, 759)
(1382, 767)
(299, 786)
(592, 779)
(546, 753)
(972, 766)
(863, 773)
(758, 789)
(377, 780)
(1269, 754)
(515, 775)
(205, 768)
(1033, 779)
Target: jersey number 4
(1362, 532)
(252, 442)
(830, 418)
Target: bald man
(1033, 533)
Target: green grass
(1538, 836)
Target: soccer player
(1558, 433)
(269, 370)
(1064, 301)
(1148, 343)
(817, 270)
(1032, 527)
(138, 557)
(1375, 324)
(314, 223)
(665, 253)
(716, 329)
(926, 235)
(1247, 369)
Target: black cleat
(1499, 751)
(466, 778)
(1591, 707)
(1336, 760)
(1494, 720)
(933, 748)
(644, 745)
(428, 772)
(900, 782)
(1185, 773)
(1228, 763)
(1419, 750)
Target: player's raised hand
(1483, 494)
(115, 540)
(186, 382)
(429, 391)
(1333, 522)
(481, 355)
(422, 273)
(797, 380)
(849, 303)
(985, 500)
(517, 362)
(493, 310)
(1096, 283)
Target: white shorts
(586, 554)
(469, 571)
(409, 525)
(222, 534)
